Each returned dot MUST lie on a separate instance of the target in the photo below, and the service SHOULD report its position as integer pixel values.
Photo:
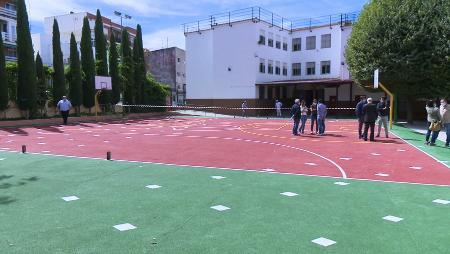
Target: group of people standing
(438, 118)
(368, 114)
(299, 113)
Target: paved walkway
(422, 128)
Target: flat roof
(331, 82)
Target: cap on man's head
(297, 100)
(369, 100)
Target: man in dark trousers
(370, 116)
(360, 114)
(295, 115)
(64, 107)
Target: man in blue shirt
(64, 107)
(321, 115)
(360, 115)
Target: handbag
(435, 126)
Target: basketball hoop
(102, 83)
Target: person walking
(313, 109)
(295, 115)
(64, 107)
(360, 114)
(244, 109)
(433, 117)
(370, 116)
(383, 116)
(304, 116)
(445, 119)
(321, 115)
(278, 106)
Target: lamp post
(122, 16)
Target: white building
(73, 23)
(8, 22)
(258, 56)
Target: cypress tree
(141, 59)
(137, 73)
(75, 75)
(26, 81)
(41, 83)
(127, 68)
(114, 70)
(59, 81)
(88, 66)
(4, 99)
(101, 60)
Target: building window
(278, 42)
(325, 67)
(178, 59)
(262, 37)
(310, 42)
(270, 41)
(262, 65)
(277, 68)
(11, 7)
(326, 41)
(296, 44)
(285, 69)
(270, 70)
(310, 68)
(296, 69)
(285, 44)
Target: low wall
(13, 111)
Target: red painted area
(236, 143)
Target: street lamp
(122, 16)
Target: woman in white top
(304, 116)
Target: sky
(162, 20)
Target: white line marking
(441, 201)
(341, 183)
(70, 198)
(323, 241)
(220, 208)
(392, 218)
(382, 174)
(153, 186)
(124, 227)
(289, 194)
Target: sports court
(186, 184)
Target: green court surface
(177, 217)
(439, 152)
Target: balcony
(9, 38)
(8, 13)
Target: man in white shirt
(64, 107)
(444, 111)
(278, 106)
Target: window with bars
(285, 69)
(296, 69)
(270, 40)
(285, 44)
(326, 41)
(262, 65)
(310, 42)
(325, 67)
(296, 44)
(262, 37)
(310, 68)
(270, 69)
(277, 68)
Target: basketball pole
(391, 104)
(96, 102)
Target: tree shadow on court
(16, 131)
(334, 135)
(23, 181)
(5, 200)
(85, 125)
(50, 129)
(3, 177)
(390, 141)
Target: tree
(101, 60)
(126, 69)
(114, 71)
(88, 65)
(408, 41)
(4, 99)
(139, 70)
(75, 76)
(26, 84)
(59, 81)
(41, 84)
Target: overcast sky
(162, 20)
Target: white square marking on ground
(310, 164)
(345, 159)
(41, 143)
(81, 145)
(124, 227)
(375, 154)
(415, 168)
(401, 150)
(128, 137)
(392, 218)
(220, 208)
(96, 135)
(2, 159)
(106, 141)
(218, 177)
(40, 137)
(153, 186)
(46, 151)
(382, 174)
(289, 194)
(341, 183)
(441, 201)
(70, 198)
(268, 170)
(323, 241)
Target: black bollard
(108, 155)
(24, 148)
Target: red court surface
(246, 144)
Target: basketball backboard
(103, 83)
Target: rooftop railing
(8, 13)
(257, 14)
